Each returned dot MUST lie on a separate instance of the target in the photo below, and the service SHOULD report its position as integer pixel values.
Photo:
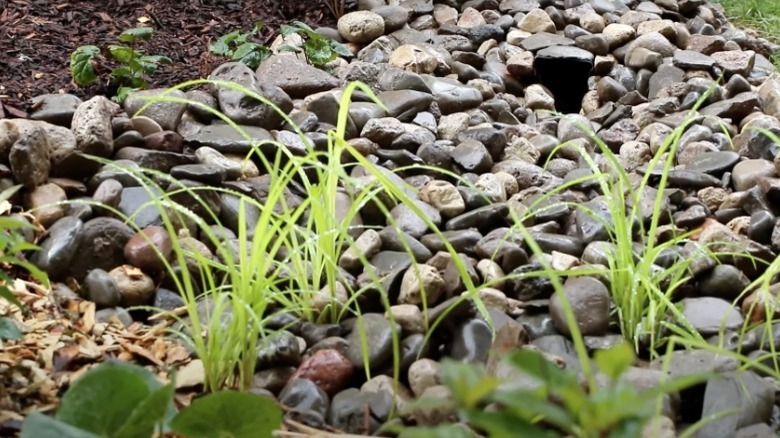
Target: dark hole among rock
(564, 71)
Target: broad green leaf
(340, 49)
(241, 39)
(122, 93)
(468, 383)
(286, 30)
(614, 361)
(444, 431)
(81, 65)
(149, 413)
(123, 72)
(101, 400)
(526, 405)
(220, 48)
(121, 53)
(497, 424)
(151, 382)
(149, 63)
(258, 27)
(251, 54)
(537, 366)
(38, 425)
(9, 330)
(303, 26)
(289, 48)
(229, 413)
(318, 51)
(132, 35)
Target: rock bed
(468, 88)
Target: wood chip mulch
(38, 36)
(63, 340)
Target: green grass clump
(282, 258)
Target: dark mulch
(38, 36)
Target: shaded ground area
(38, 36)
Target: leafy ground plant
(122, 400)
(12, 244)
(237, 46)
(543, 400)
(317, 49)
(131, 64)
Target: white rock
(423, 374)
(361, 26)
(413, 58)
(421, 284)
(444, 197)
(537, 97)
(367, 245)
(536, 21)
(618, 34)
(409, 317)
(470, 18)
(91, 126)
(452, 124)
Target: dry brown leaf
(140, 351)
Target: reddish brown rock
(140, 249)
(328, 368)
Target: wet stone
(378, 333)
(471, 342)
(480, 218)
(394, 241)
(281, 348)
(58, 249)
(713, 163)
(165, 299)
(348, 410)
(101, 246)
(304, 396)
(589, 300)
(137, 203)
(100, 288)
(709, 315)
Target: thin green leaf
(7, 294)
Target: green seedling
(317, 49)
(237, 46)
(131, 69)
